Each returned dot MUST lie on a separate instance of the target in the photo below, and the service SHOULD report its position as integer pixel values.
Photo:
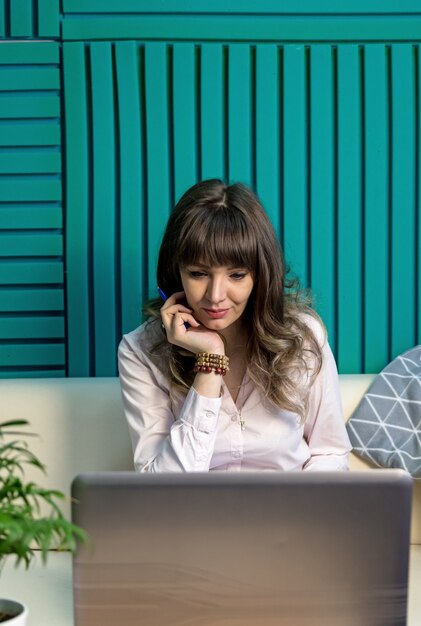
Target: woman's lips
(216, 314)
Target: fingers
(176, 316)
(173, 299)
(184, 320)
(183, 329)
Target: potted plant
(31, 521)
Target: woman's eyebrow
(230, 268)
(202, 266)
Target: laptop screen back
(251, 549)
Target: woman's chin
(218, 325)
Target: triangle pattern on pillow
(386, 426)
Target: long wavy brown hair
(225, 225)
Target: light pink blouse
(175, 433)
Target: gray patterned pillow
(386, 426)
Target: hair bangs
(218, 237)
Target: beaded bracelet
(206, 362)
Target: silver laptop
(250, 549)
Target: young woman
(233, 371)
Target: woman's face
(217, 295)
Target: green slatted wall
(311, 128)
(32, 328)
(320, 114)
(29, 19)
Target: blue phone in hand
(162, 294)
(165, 298)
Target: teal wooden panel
(268, 132)
(18, 216)
(31, 354)
(376, 204)
(30, 196)
(403, 199)
(131, 115)
(22, 328)
(159, 200)
(19, 79)
(30, 244)
(78, 256)
(40, 372)
(21, 18)
(29, 18)
(349, 352)
(418, 208)
(32, 272)
(29, 133)
(212, 112)
(241, 6)
(29, 106)
(240, 114)
(48, 18)
(29, 300)
(103, 208)
(185, 118)
(236, 28)
(30, 53)
(30, 161)
(34, 189)
(323, 257)
(294, 158)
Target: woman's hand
(196, 338)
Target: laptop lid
(250, 549)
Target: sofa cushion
(386, 426)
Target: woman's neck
(235, 337)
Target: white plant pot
(17, 609)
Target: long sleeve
(161, 440)
(324, 430)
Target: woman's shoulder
(144, 339)
(310, 321)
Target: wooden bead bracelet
(207, 362)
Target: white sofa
(81, 428)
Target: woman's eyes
(234, 275)
(238, 275)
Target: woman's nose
(216, 290)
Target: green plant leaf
(23, 531)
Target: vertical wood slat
(48, 18)
(157, 152)
(349, 353)
(268, 168)
(295, 226)
(30, 19)
(403, 200)
(376, 214)
(322, 186)
(103, 208)
(212, 89)
(184, 116)
(418, 197)
(132, 184)
(21, 18)
(239, 114)
(2, 19)
(78, 207)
